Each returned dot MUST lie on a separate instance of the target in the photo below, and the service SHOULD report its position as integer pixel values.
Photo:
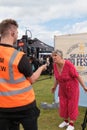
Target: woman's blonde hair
(58, 52)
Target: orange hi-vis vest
(15, 89)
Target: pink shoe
(63, 124)
(70, 127)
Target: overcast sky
(46, 18)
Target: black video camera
(27, 40)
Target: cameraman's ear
(12, 33)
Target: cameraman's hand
(44, 67)
(37, 73)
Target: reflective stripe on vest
(15, 89)
(15, 92)
(11, 72)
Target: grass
(49, 118)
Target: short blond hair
(58, 52)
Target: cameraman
(17, 97)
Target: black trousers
(14, 125)
(28, 119)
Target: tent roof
(38, 44)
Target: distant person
(50, 65)
(17, 97)
(41, 60)
(31, 62)
(35, 63)
(67, 77)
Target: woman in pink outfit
(67, 77)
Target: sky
(43, 19)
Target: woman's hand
(85, 88)
(53, 89)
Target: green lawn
(49, 118)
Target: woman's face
(56, 58)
